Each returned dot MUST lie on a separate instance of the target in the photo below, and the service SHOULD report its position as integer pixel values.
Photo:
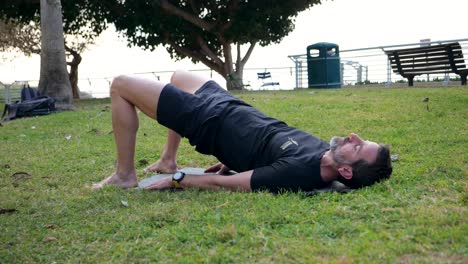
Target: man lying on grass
(268, 154)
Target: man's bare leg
(189, 83)
(126, 94)
(168, 161)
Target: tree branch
(76, 56)
(249, 52)
(194, 5)
(227, 56)
(204, 47)
(193, 54)
(173, 10)
(238, 60)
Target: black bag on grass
(42, 105)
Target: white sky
(349, 23)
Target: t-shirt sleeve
(285, 175)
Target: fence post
(389, 74)
(446, 79)
(7, 93)
(298, 66)
(367, 73)
(359, 74)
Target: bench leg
(410, 80)
(463, 78)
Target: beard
(335, 145)
(336, 142)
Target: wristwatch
(177, 178)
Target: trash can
(323, 65)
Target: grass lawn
(418, 216)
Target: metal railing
(370, 66)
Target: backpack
(32, 104)
(28, 93)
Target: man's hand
(218, 168)
(162, 184)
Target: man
(268, 154)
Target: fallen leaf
(95, 131)
(21, 175)
(7, 210)
(49, 239)
(124, 203)
(51, 226)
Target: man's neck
(328, 171)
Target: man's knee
(118, 83)
(177, 77)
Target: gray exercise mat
(147, 181)
(334, 187)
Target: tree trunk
(232, 75)
(74, 81)
(234, 81)
(54, 76)
(73, 75)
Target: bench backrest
(263, 75)
(431, 59)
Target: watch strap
(176, 184)
(176, 181)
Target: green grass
(419, 216)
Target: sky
(349, 23)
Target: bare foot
(115, 180)
(161, 166)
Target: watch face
(178, 176)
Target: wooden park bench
(443, 58)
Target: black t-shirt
(292, 162)
(282, 157)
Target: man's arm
(239, 182)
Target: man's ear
(346, 171)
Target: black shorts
(242, 137)
(194, 116)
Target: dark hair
(365, 174)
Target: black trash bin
(323, 65)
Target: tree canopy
(205, 30)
